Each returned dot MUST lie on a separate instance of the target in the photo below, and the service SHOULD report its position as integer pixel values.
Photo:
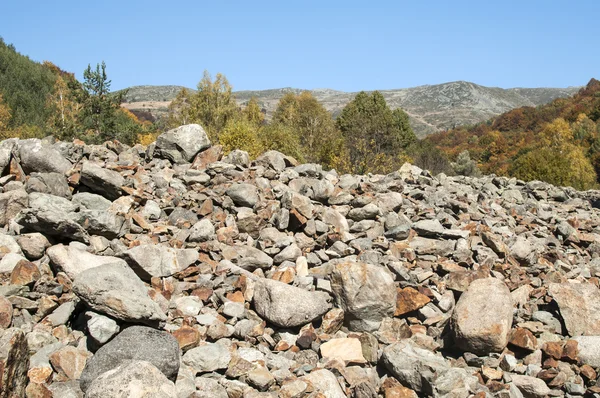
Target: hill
(431, 108)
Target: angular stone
(409, 300)
(207, 358)
(14, 362)
(365, 292)
(69, 361)
(25, 273)
(11, 203)
(245, 195)
(348, 350)
(6, 311)
(202, 231)
(115, 290)
(523, 338)
(132, 379)
(288, 306)
(33, 245)
(182, 144)
(37, 157)
(579, 305)
(325, 382)
(51, 183)
(482, 317)
(136, 343)
(588, 350)
(101, 328)
(102, 181)
(530, 386)
(72, 260)
(157, 261)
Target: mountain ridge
(432, 107)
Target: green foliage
(465, 166)
(428, 157)
(243, 134)
(24, 84)
(179, 110)
(284, 139)
(253, 113)
(375, 136)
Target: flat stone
(207, 358)
(288, 306)
(182, 144)
(69, 361)
(531, 386)
(72, 260)
(579, 305)
(245, 195)
(409, 300)
(158, 261)
(588, 350)
(102, 181)
(348, 350)
(324, 382)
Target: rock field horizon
(176, 271)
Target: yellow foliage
(241, 134)
(556, 133)
(147, 139)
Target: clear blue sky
(345, 45)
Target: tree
(213, 105)
(179, 109)
(284, 139)
(375, 135)
(99, 107)
(4, 118)
(465, 166)
(63, 121)
(241, 133)
(253, 113)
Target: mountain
(431, 108)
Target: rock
(73, 261)
(588, 350)
(25, 273)
(182, 144)
(11, 203)
(102, 223)
(245, 195)
(249, 258)
(115, 290)
(136, 343)
(50, 183)
(409, 300)
(272, 159)
(14, 361)
(33, 245)
(482, 317)
(579, 305)
(61, 315)
(101, 328)
(348, 350)
(325, 382)
(156, 260)
(523, 338)
(36, 157)
(69, 361)
(102, 181)
(530, 386)
(365, 292)
(132, 379)
(202, 231)
(207, 358)
(6, 311)
(288, 306)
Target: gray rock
(207, 358)
(579, 305)
(425, 246)
(482, 318)
(51, 183)
(33, 245)
(101, 328)
(136, 343)
(247, 257)
(237, 157)
(325, 382)
(115, 290)
(11, 203)
(157, 260)
(182, 144)
(73, 261)
(14, 361)
(245, 195)
(288, 306)
(202, 231)
(589, 350)
(5, 156)
(531, 387)
(102, 223)
(61, 315)
(91, 201)
(132, 379)
(365, 292)
(272, 159)
(36, 157)
(102, 181)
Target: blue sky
(344, 45)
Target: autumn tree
(465, 166)
(4, 118)
(375, 136)
(319, 138)
(179, 110)
(63, 121)
(253, 113)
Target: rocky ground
(175, 271)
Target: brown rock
(187, 337)
(579, 305)
(204, 158)
(588, 372)
(6, 311)
(34, 390)
(348, 350)
(553, 349)
(393, 389)
(570, 351)
(14, 361)
(39, 374)
(69, 361)
(332, 321)
(523, 338)
(25, 273)
(409, 300)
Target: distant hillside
(431, 108)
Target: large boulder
(182, 144)
(365, 292)
(72, 260)
(288, 306)
(14, 362)
(245, 195)
(37, 157)
(114, 289)
(155, 260)
(137, 343)
(132, 379)
(11, 203)
(51, 183)
(482, 318)
(579, 306)
(102, 181)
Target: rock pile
(176, 271)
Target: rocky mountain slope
(175, 271)
(431, 108)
